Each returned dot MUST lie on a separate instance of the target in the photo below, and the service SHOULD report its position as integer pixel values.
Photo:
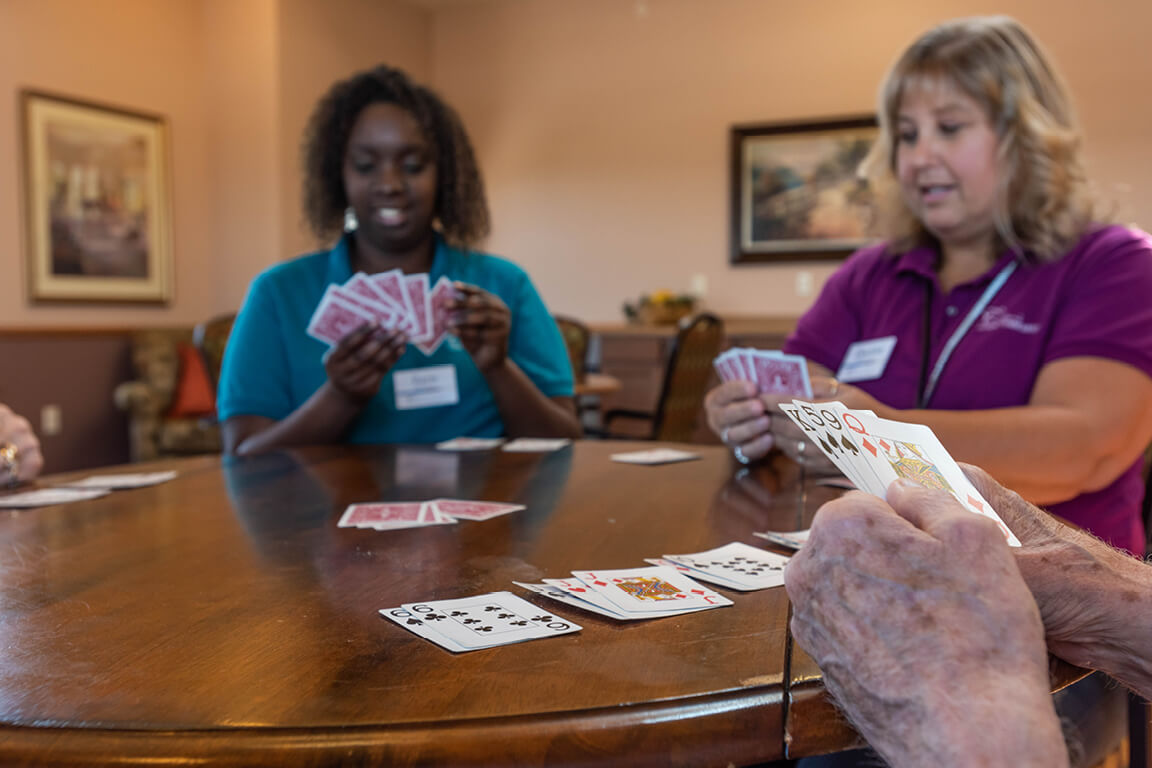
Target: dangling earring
(350, 222)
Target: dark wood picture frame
(795, 195)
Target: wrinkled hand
(482, 322)
(922, 626)
(27, 460)
(358, 364)
(1069, 573)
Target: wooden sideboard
(637, 355)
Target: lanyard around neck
(928, 383)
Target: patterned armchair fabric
(576, 338)
(147, 399)
(210, 337)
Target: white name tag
(866, 360)
(425, 387)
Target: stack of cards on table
(481, 621)
(655, 456)
(385, 516)
(772, 371)
(872, 452)
(46, 497)
(469, 444)
(736, 566)
(388, 299)
(789, 539)
(123, 481)
(537, 444)
(634, 593)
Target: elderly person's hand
(1093, 598)
(925, 631)
(20, 457)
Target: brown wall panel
(78, 371)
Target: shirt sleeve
(535, 343)
(1107, 311)
(254, 377)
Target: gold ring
(10, 463)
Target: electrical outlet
(698, 286)
(804, 283)
(51, 420)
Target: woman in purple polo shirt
(1000, 311)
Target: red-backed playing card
(461, 509)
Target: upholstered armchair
(168, 411)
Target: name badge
(425, 387)
(866, 360)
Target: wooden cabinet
(638, 354)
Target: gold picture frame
(97, 202)
(795, 194)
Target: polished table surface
(224, 619)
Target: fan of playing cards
(772, 371)
(389, 299)
(872, 452)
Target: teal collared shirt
(271, 366)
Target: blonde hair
(1043, 203)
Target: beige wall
(324, 41)
(236, 80)
(603, 132)
(134, 53)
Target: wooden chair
(686, 379)
(210, 337)
(576, 338)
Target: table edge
(746, 726)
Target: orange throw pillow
(194, 397)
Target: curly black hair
(461, 206)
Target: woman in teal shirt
(393, 154)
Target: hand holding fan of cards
(872, 452)
(390, 300)
(772, 371)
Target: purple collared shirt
(1094, 302)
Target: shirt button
(950, 311)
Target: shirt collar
(340, 261)
(921, 261)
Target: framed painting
(96, 202)
(796, 195)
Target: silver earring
(350, 222)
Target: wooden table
(223, 619)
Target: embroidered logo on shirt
(995, 318)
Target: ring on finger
(9, 464)
(724, 436)
(739, 454)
